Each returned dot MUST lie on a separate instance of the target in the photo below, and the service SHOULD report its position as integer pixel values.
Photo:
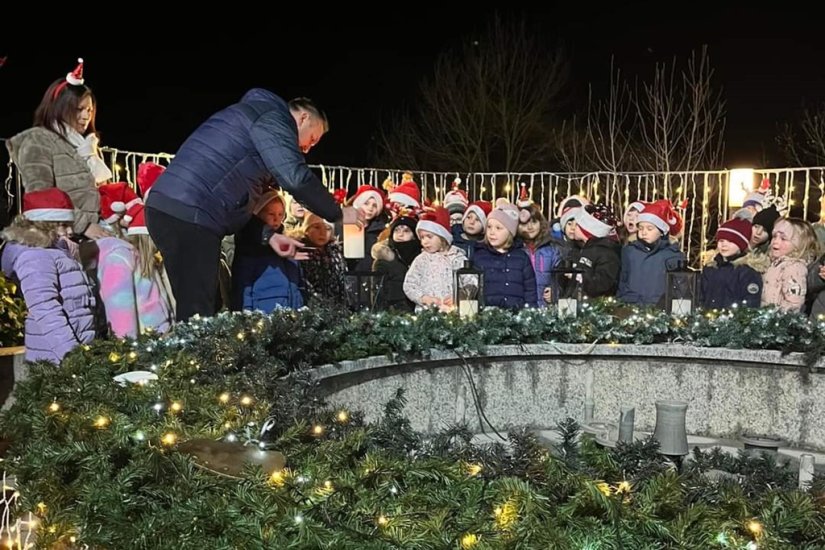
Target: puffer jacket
(224, 166)
(45, 160)
(58, 295)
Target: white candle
(566, 307)
(353, 241)
(680, 307)
(467, 308)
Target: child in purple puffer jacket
(38, 254)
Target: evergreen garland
(100, 462)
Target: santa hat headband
(75, 78)
(524, 199)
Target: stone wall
(729, 392)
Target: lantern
(468, 290)
(363, 289)
(567, 294)
(681, 290)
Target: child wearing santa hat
(473, 226)
(59, 295)
(727, 279)
(373, 202)
(133, 286)
(597, 259)
(429, 281)
(646, 261)
(509, 279)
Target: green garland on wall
(103, 463)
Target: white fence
(706, 192)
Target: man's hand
(287, 247)
(354, 215)
(548, 295)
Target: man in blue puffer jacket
(207, 191)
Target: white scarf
(87, 148)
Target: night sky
(156, 84)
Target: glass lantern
(567, 293)
(681, 289)
(468, 290)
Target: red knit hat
(481, 209)
(737, 231)
(48, 205)
(436, 221)
(367, 192)
(147, 175)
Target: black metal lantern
(567, 293)
(681, 289)
(363, 289)
(468, 290)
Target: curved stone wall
(729, 392)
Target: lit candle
(567, 307)
(467, 308)
(680, 307)
(353, 241)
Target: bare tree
(488, 106)
(803, 144)
(675, 122)
(681, 118)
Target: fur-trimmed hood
(30, 236)
(755, 260)
(381, 251)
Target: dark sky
(156, 83)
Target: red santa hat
(48, 205)
(595, 220)
(638, 206)
(436, 221)
(481, 209)
(138, 225)
(367, 192)
(524, 199)
(456, 201)
(75, 78)
(573, 201)
(118, 200)
(661, 214)
(406, 194)
(147, 175)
